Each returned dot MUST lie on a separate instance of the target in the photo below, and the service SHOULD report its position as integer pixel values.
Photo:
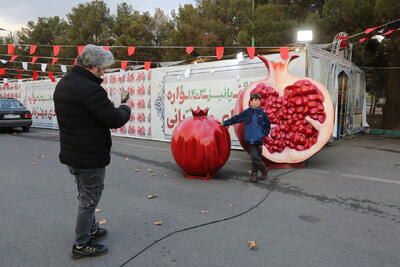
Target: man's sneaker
(253, 177)
(99, 235)
(264, 174)
(89, 250)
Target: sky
(15, 14)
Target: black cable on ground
(273, 181)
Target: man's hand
(124, 97)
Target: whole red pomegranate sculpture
(200, 145)
(300, 111)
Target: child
(256, 127)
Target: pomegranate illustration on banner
(300, 110)
(200, 145)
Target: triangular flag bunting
(147, 65)
(5, 80)
(284, 52)
(32, 49)
(20, 70)
(124, 64)
(189, 49)
(34, 60)
(2, 71)
(54, 60)
(389, 32)
(11, 49)
(44, 66)
(370, 30)
(63, 68)
(13, 58)
(19, 76)
(363, 39)
(219, 51)
(56, 50)
(80, 49)
(51, 76)
(35, 75)
(342, 37)
(251, 52)
(25, 65)
(106, 48)
(131, 50)
(3, 61)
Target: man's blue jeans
(90, 184)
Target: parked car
(14, 114)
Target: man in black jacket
(85, 115)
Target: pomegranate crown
(199, 112)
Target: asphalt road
(343, 209)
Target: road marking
(355, 176)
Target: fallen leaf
(230, 205)
(126, 158)
(97, 210)
(34, 163)
(149, 170)
(165, 175)
(252, 244)
(152, 196)
(135, 170)
(103, 221)
(204, 211)
(158, 223)
(40, 156)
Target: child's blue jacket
(256, 124)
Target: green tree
(90, 23)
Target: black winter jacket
(85, 116)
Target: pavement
(342, 209)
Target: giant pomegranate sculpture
(299, 108)
(200, 145)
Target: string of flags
(344, 43)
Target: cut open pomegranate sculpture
(299, 108)
(200, 145)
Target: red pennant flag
(35, 75)
(32, 49)
(106, 48)
(13, 58)
(131, 50)
(19, 76)
(363, 39)
(54, 60)
(147, 65)
(56, 50)
(80, 49)
(34, 60)
(11, 49)
(75, 61)
(51, 76)
(389, 32)
(342, 37)
(20, 70)
(251, 52)
(284, 51)
(370, 30)
(124, 64)
(2, 71)
(219, 51)
(189, 49)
